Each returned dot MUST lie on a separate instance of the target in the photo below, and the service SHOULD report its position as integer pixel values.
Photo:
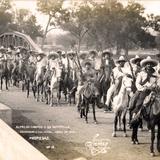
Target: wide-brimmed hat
(158, 54)
(32, 52)
(1, 55)
(17, 51)
(53, 55)
(105, 52)
(2, 49)
(41, 54)
(81, 54)
(93, 52)
(121, 59)
(135, 59)
(63, 53)
(87, 61)
(147, 60)
(71, 53)
(9, 51)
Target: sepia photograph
(79, 79)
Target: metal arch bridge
(18, 39)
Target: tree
(77, 22)
(26, 23)
(52, 9)
(5, 15)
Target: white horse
(120, 103)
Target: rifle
(134, 79)
(79, 64)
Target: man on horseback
(104, 72)
(116, 77)
(88, 78)
(145, 82)
(93, 58)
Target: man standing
(116, 77)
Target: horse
(4, 73)
(103, 84)
(29, 79)
(47, 83)
(88, 96)
(70, 87)
(120, 103)
(150, 112)
(39, 83)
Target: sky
(151, 6)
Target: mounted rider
(116, 77)
(93, 55)
(72, 65)
(88, 78)
(136, 65)
(40, 65)
(146, 81)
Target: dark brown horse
(4, 73)
(151, 113)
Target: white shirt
(141, 77)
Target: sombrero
(135, 59)
(32, 52)
(148, 60)
(105, 52)
(59, 52)
(9, 51)
(53, 55)
(17, 51)
(1, 55)
(63, 53)
(2, 49)
(84, 63)
(81, 54)
(93, 52)
(71, 53)
(121, 59)
(41, 54)
(158, 54)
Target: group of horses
(47, 83)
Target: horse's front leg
(87, 109)
(1, 82)
(158, 138)
(152, 140)
(115, 125)
(124, 124)
(38, 87)
(51, 100)
(94, 113)
(119, 119)
(6, 81)
(28, 87)
(42, 92)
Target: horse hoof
(120, 129)
(152, 154)
(137, 142)
(86, 122)
(51, 105)
(114, 134)
(133, 142)
(95, 122)
(125, 135)
(140, 129)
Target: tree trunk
(45, 32)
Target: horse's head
(127, 82)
